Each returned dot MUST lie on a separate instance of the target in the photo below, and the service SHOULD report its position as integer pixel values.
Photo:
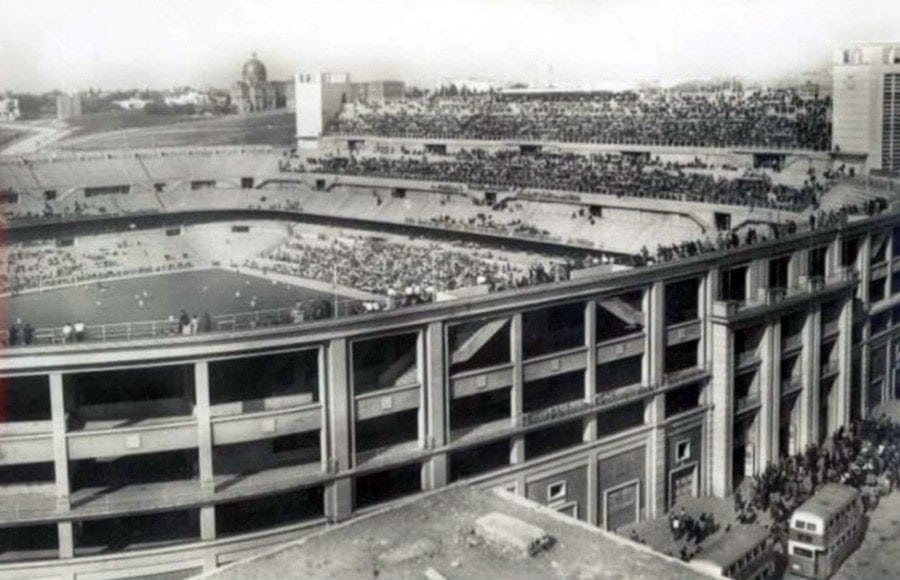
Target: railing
(829, 368)
(747, 403)
(829, 328)
(44, 505)
(387, 453)
(747, 358)
(682, 375)
(791, 385)
(792, 342)
(147, 329)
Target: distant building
(9, 109)
(195, 98)
(320, 96)
(318, 99)
(254, 92)
(132, 104)
(68, 106)
(866, 110)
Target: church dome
(254, 71)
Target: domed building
(254, 92)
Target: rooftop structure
(441, 533)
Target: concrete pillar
(769, 394)
(208, 522)
(757, 279)
(654, 307)
(590, 370)
(722, 391)
(810, 367)
(845, 363)
(775, 420)
(60, 444)
(593, 489)
(437, 395)
(517, 448)
(339, 492)
(709, 291)
(889, 258)
(204, 428)
(65, 533)
(864, 267)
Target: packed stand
(772, 118)
(47, 264)
(611, 174)
(408, 273)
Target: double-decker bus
(824, 531)
(743, 554)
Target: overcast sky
(77, 44)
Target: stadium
(604, 302)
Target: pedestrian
(79, 331)
(14, 333)
(195, 324)
(28, 334)
(67, 332)
(185, 322)
(206, 322)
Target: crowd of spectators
(783, 118)
(407, 272)
(865, 456)
(612, 174)
(729, 239)
(44, 265)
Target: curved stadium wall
(653, 383)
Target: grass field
(200, 291)
(143, 130)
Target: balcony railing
(829, 368)
(790, 385)
(792, 342)
(583, 406)
(746, 404)
(682, 375)
(747, 358)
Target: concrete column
(757, 277)
(654, 307)
(722, 398)
(709, 291)
(436, 402)
(769, 394)
(65, 533)
(889, 258)
(590, 370)
(60, 445)
(204, 428)
(864, 267)
(810, 365)
(845, 363)
(339, 492)
(775, 421)
(593, 489)
(517, 448)
(208, 522)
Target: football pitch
(215, 291)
